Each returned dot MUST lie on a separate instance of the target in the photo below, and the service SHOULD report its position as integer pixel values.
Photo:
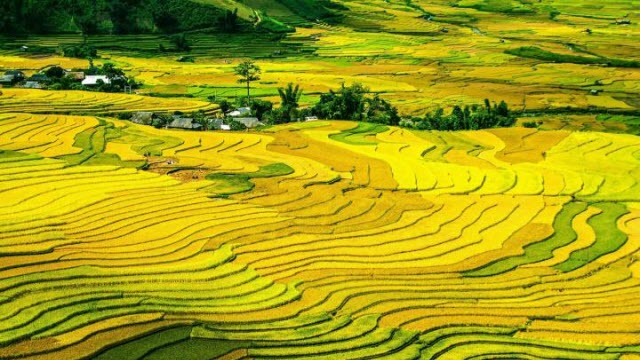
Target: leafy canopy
(248, 71)
(354, 103)
(290, 96)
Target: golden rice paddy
(524, 246)
(122, 241)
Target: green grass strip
(360, 134)
(138, 348)
(608, 237)
(93, 143)
(534, 52)
(236, 183)
(196, 349)
(83, 141)
(302, 335)
(563, 234)
(10, 154)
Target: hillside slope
(147, 16)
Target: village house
(75, 75)
(17, 74)
(143, 118)
(39, 78)
(6, 80)
(184, 123)
(34, 85)
(37, 81)
(249, 122)
(94, 80)
(243, 111)
(215, 124)
(12, 77)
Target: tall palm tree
(290, 96)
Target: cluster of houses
(17, 78)
(241, 115)
(12, 77)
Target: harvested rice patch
(527, 145)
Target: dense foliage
(316, 9)
(228, 21)
(81, 51)
(354, 103)
(106, 17)
(468, 118)
(289, 105)
(534, 52)
(141, 16)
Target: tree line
(472, 117)
(358, 103)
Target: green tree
(352, 103)
(225, 105)
(228, 21)
(236, 125)
(181, 42)
(165, 20)
(162, 120)
(261, 107)
(85, 15)
(468, 118)
(54, 72)
(111, 71)
(122, 14)
(290, 96)
(248, 71)
(199, 117)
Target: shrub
(181, 42)
(236, 125)
(82, 51)
(530, 124)
(225, 105)
(261, 107)
(54, 72)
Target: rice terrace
(330, 179)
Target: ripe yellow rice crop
(343, 235)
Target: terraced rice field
(333, 240)
(323, 240)
(418, 54)
(39, 101)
